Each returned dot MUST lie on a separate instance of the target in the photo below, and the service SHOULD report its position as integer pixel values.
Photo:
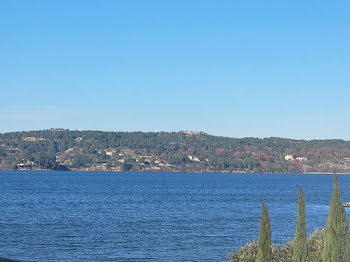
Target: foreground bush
(329, 245)
(248, 252)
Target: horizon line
(195, 132)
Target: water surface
(90, 216)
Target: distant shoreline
(186, 151)
(171, 172)
(8, 260)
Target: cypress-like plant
(300, 240)
(347, 249)
(264, 241)
(337, 230)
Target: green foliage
(331, 244)
(337, 231)
(300, 240)
(46, 161)
(264, 240)
(80, 160)
(315, 245)
(126, 166)
(248, 252)
(216, 154)
(282, 252)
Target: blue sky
(230, 68)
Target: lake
(92, 216)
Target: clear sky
(230, 68)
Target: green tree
(264, 240)
(300, 240)
(46, 161)
(337, 230)
(126, 166)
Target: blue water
(78, 216)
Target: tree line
(214, 153)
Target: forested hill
(60, 149)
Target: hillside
(60, 149)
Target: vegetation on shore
(264, 242)
(300, 240)
(60, 149)
(331, 244)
